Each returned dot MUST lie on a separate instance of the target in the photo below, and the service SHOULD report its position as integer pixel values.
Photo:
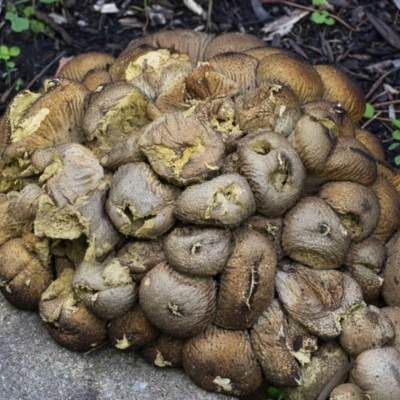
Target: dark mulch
(366, 45)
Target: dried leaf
(385, 31)
(283, 25)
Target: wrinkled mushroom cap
(377, 372)
(177, 304)
(232, 42)
(339, 88)
(80, 65)
(222, 361)
(290, 70)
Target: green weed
(322, 15)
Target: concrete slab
(34, 367)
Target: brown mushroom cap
(346, 391)
(179, 305)
(198, 251)
(339, 88)
(331, 115)
(232, 42)
(317, 299)
(182, 150)
(314, 235)
(377, 372)
(371, 142)
(391, 272)
(389, 201)
(364, 329)
(356, 205)
(80, 65)
(95, 78)
(325, 363)
(66, 318)
(239, 67)
(132, 330)
(84, 223)
(274, 171)
(129, 55)
(222, 361)
(208, 82)
(273, 107)
(246, 282)
(140, 256)
(46, 122)
(114, 112)
(106, 288)
(18, 211)
(271, 228)
(184, 41)
(313, 142)
(226, 200)
(165, 351)
(138, 203)
(364, 262)
(264, 51)
(269, 340)
(69, 171)
(350, 160)
(290, 70)
(25, 272)
(393, 313)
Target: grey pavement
(34, 367)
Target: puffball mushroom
(211, 203)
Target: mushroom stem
(340, 373)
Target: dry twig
(312, 9)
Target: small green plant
(322, 15)
(369, 111)
(396, 137)
(23, 18)
(276, 394)
(6, 55)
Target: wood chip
(283, 25)
(384, 30)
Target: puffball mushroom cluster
(212, 203)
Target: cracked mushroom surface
(210, 205)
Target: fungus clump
(212, 203)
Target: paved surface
(34, 367)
